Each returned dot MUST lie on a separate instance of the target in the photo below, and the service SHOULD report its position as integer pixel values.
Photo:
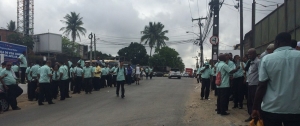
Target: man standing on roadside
(252, 79)
(103, 76)
(129, 74)
(277, 98)
(23, 65)
(151, 72)
(206, 75)
(137, 74)
(97, 75)
(9, 83)
(44, 75)
(64, 81)
(114, 76)
(87, 78)
(121, 72)
(34, 81)
(31, 94)
(224, 88)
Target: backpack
(219, 78)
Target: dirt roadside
(202, 112)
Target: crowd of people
(269, 82)
(48, 81)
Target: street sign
(214, 40)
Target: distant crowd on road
(49, 81)
(270, 82)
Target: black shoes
(123, 96)
(41, 104)
(17, 108)
(117, 95)
(51, 103)
(225, 113)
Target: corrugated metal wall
(267, 29)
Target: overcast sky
(121, 21)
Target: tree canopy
(136, 53)
(21, 40)
(69, 47)
(74, 27)
(154, 36)
(167, 56)
(11, 26)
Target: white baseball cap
(298, 44)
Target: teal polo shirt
(15, 68)
(9, 79)
(224, 69)
(77, 71)
(104, 71)
(62, 69)
(28, 74)
(206, 74)
(70, 64)
(71, 71)
(44, 72)
(120, 73)
(150, 70)
(34, 70)
(199, 71)
(213, 73)
(81, 62)
(281, 70)
(55, 75)
(23, 59)
(87, 72)
(240, 72)
(113, 70)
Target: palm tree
(11, 26)
(154, 36)
(74, 27)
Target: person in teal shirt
(277, 96)
(55, 82)
(224, 88)
(30, 86)
(238, 84)
(44, 86)
(205, 76)
(70, 63)
(10, 84)
(121, 72)
(23, 65)
(151, 72)
(103, 76)
(114, 76)
(87, 78)
(64, 81)
(15, 68)
(78, 79)
(81, 62)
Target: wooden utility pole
(91, 47)
(215, 48)
(200, 38)
(241, 30)
(253, 24)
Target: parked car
(159, 74)
(185, 75)
(174, 72)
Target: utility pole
(200, 38)
(253, 23)
(94, 47)
(215, 5)
(241, 30)
(91, 47)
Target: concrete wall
(48, 42)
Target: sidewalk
(202, 112)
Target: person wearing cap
(206, 75)
(298, 46)
(121, 73)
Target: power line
(269, 1)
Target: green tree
(11, 26)
(69, 47)
(154, 36)
(167, 56)
(21, 40)
(100, 55)
(74, 27)
(136, 53)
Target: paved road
(160, 101)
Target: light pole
(200, 44)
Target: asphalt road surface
(160, 101)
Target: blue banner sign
(10, 51)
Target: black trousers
(129, 79)
(45, 91)
(13, 92)
(54, 88)
(87, 84)
(31, 87)
(147, 74)
(151, 75)
(67, 87)
(223, 99)
(96, 83)
(205, 88)
(72, 81)
(103, 81)
(273, 119)
(62, 89)
(114, 80)
(109, 80)
(17, 74)
(78, 83)
(120, 83)
(213, 84)
(23, 70)
(251, 95)
(238, 91)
